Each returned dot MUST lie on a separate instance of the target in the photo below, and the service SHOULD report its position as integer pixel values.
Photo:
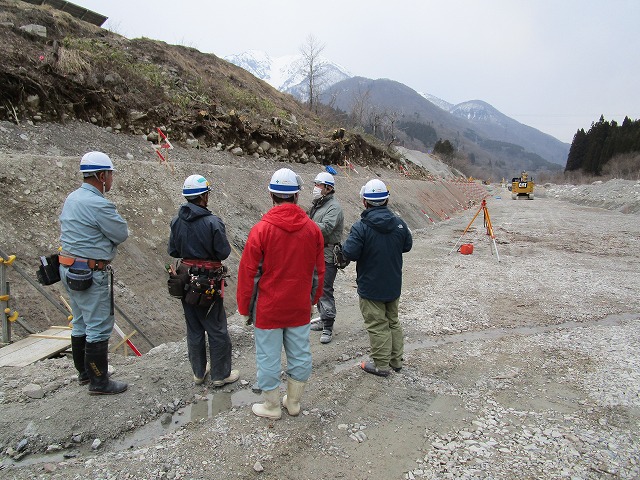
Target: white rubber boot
(271, 406)
(291, 400)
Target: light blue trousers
(91, 308)
(269, 345)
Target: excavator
(522, 186)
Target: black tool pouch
(178, 283)
(49, 271)
(202, 291)
(79, 276)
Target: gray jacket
(327, 213)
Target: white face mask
(317, 192)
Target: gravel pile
(616, 194)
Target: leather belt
(91, 263)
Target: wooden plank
(38, 335)
(35, 347)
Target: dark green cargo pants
(385, 332)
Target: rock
(165, 419)
(33, 390)
(96, 444)
(237, 151)
(359, 436)
(258, 466)
(265, 146)
(33, 101)
(34, 29)
(135, 116)
(22, 445)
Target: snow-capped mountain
(438, 102)
(287, 73)
(477, 110)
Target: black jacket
(376, 242)
(196, 233)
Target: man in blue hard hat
(376, 243)
(198, 237)
(91, 230)
(279, 278)
(327, 213)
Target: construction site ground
(526, 367)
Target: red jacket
(282, 269)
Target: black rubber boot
(97, 367)
(77, 351)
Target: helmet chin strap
(104, 184)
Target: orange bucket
(466, 249)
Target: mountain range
(491, 140)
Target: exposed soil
(526, 367)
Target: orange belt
(206, 264)
(91, 263)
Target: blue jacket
(376, 242)
(196, 233)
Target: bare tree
(375, 120)
(390, 119)
(360, 106)
(313, 67)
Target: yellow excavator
(522, 186)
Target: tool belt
(198, 282)
(94, 265)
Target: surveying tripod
(487, 224)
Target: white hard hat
(325, 178)
(95, 162)
(285, 182)
(194, 186)
(374, 192)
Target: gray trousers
(327, 304)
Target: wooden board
(36, 347)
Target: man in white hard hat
(327, 213)
(91, 230)
(376, 243)
(199, 239)
(279, 278)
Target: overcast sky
(555, 65)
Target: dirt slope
(39, 167)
